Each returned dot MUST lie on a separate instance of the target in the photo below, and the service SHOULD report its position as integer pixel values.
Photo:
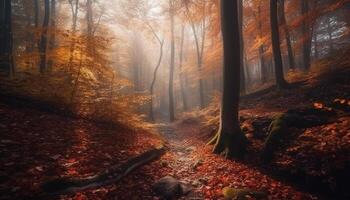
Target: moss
(241, 194)
(277, 132)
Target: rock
(170, 188)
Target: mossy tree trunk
(230, 140)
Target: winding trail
(191, 161)
(184, 162)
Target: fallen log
(108, 176)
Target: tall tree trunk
(287, 35)
(161, 44)
(52, 42)
(6, 38)
(181, 75)
(90, 28)
(279, 75)
(330, 37)
(248, 75)
(74, 12)
(242, 73)
(263, 63)
(43, 40)
(200, 51)
(172, 64)
(36, 21)
(316, 55)
(230, 140)
(306, 31)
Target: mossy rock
(278, 131)
(242, 194)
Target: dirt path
(183, 161)
(192, 162)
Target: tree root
(108, 176)
(230, 145)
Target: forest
(174, 99)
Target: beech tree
(44, 38)
(306, 28)
(161, 44)
(172, 62)
(52, 41)
(230, 140)
(199, 45)
(6, 37)
(181, 75)
(279, 75)
(287, 34)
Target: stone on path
(170, 188)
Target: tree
(6, 37)
(74, 11)
(172, 62)
(279, 75)
(306, 33)
(161, 44)
(242, 73)
(199, 47)
(43, 40)
(230, 140)
(287, 34)
(181, 75)
(52, 42)
(262, 46)
(36, 20)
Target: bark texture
(230, 140)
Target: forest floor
(36, 146)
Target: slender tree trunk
(248, 76)
(279, 75)
(306, 34)
(172, 64)
(200, 50)
(6, 38)
(330, 37)
(36, 21)
(76, 81)
(181, 75)
(230, 140)
(90, 28)
(287, 35)
(161, 44)
(52, 42)
(262, 48)
(242, 73)
(316, 45)
(74, 11)
(43, 40)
